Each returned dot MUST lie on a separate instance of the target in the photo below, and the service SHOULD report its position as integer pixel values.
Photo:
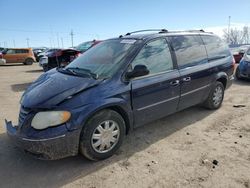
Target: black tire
(86, 145)
(28, 61)
(210, 102)
(45, 68)
(237, 73)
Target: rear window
(216, 48)
(189, 50)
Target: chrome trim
(155, 74)
(157, 103)
(200, 88)
(41, 140)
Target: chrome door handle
(187, 79)
(175, 83)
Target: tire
(101, 147)
(28, 61)
(213, 102)
(237, 73)
(45, 68)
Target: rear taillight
(79, 54)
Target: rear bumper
(58, 147)
(230, 81)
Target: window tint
(215, 47)
(22, 51)
(156, 56)
(189, 50)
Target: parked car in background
(1, 49)
(239, 52)
(243, 69)
(18, 55)
(37, 51)
(46, 52)
(58, 58)
(120, 84)
(83, 47)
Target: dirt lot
(177, 151)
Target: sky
(49, 22)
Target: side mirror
(139, 70)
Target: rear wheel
(102, 135)
(28, 61)
(215, 97)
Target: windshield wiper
(78, 70)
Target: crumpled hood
(53, 87)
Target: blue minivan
(120, 84)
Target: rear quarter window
(216, 48)
(189, 50)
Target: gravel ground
(192, 148)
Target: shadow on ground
(12, 65)
(34, 71)
(20, 87)
(18, 169)
(242, 82)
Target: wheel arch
(117, 108)
(223, 78)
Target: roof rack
(162, 31)
(193, 30)
(146, 30)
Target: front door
(157, 94)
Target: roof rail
(193, 30)
(147, 30)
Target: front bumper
(58, 147)
(2, 61)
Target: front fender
(84, 113)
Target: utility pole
(62, 42)
(28, 42)
(14, 43)
(57, 37)
(228, 30)
(72, 40)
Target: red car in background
(239, 52)
(83, 47)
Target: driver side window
(155, 56)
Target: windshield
(103, 59)
(84, 46)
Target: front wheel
(102, 135)
(215, 97)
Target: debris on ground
(215, 162)
(239, 106)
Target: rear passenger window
(156, 56)
(216, 48)
(21, 51)
(189, 50)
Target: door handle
(175, 83)
(187, 79)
